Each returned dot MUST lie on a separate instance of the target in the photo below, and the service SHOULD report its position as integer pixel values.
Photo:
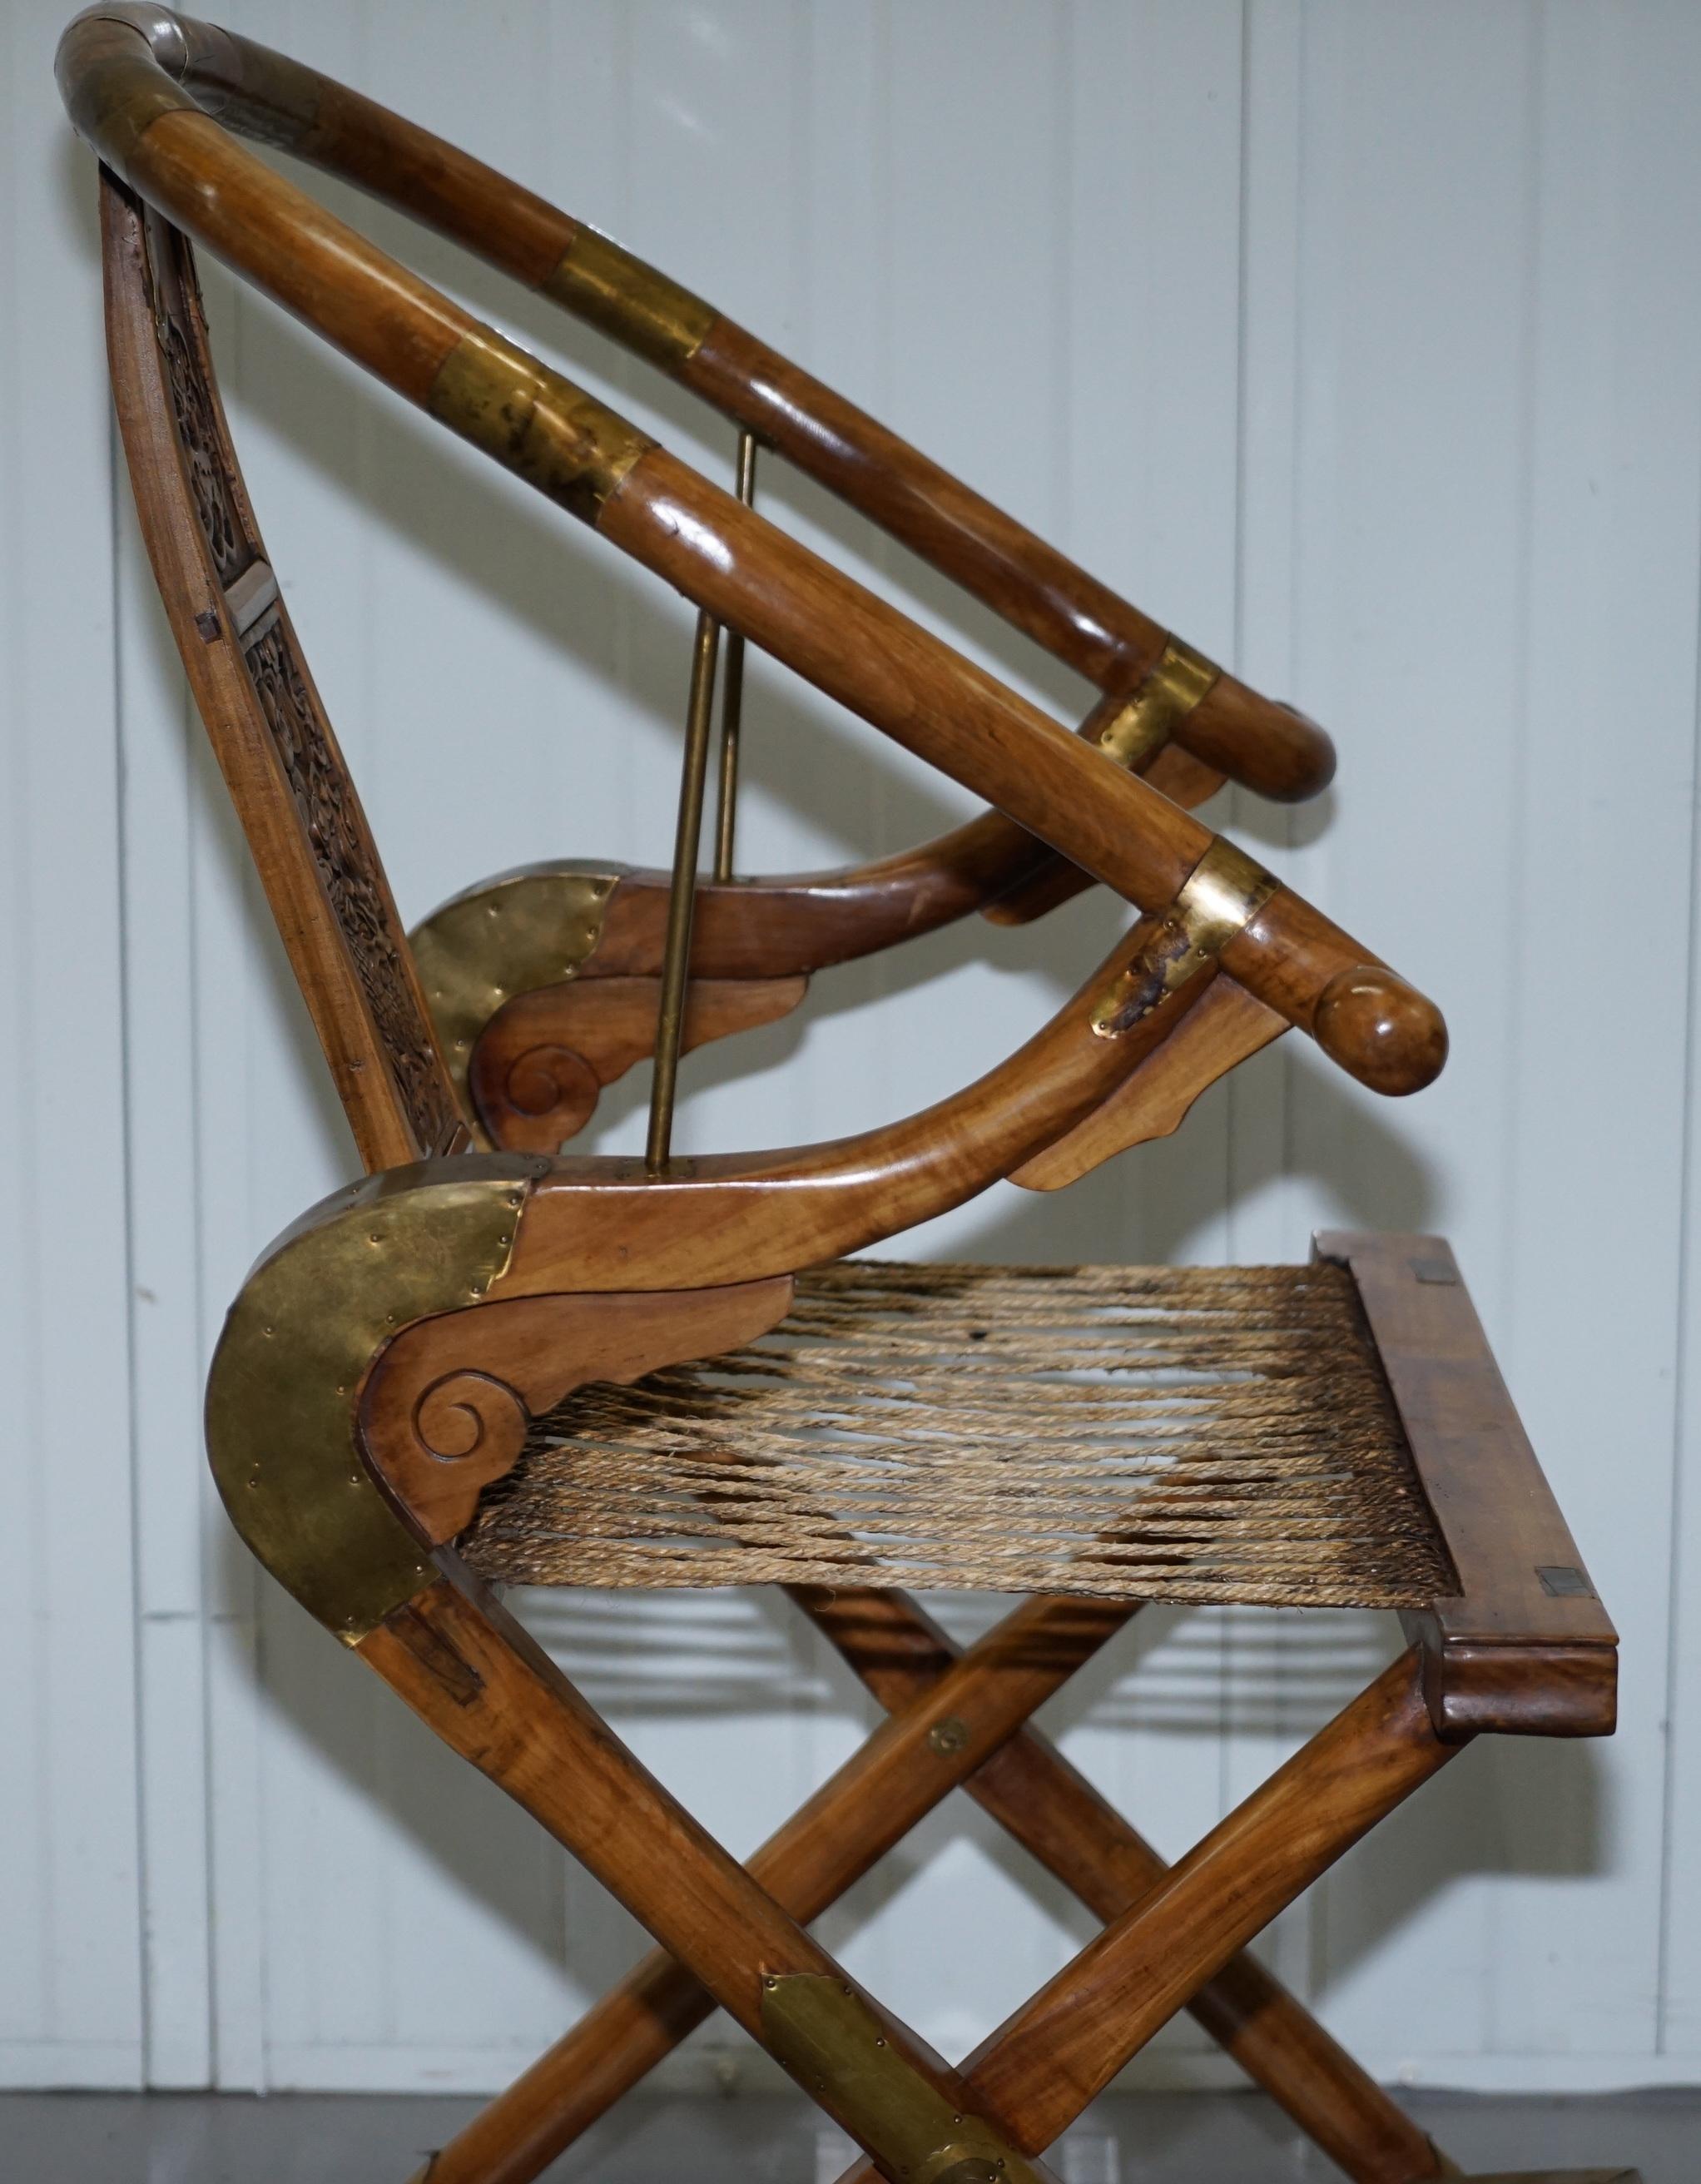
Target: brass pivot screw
(948, 1736)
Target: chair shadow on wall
(650, 1661)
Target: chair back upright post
(297, 803)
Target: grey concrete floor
(118, 2138)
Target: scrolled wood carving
(543, 1096)
(444, 1409)
(541, 1060)
(471, 1417)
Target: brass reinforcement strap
(822, 2031)
(732, 695)
(1182, 679)
(603, 283)
(1221, 896)
(682, 895)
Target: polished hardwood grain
(604, 1271)
(1266, 745)
(1056, 2054)
(957, 1717)
(444, 1410)
(1222, 1028)
(750, 577)
(1054, 1811)
(1525, 1646)
(539, 1064)
(609, 1223)
(477, 1678)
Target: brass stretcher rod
(751, 578)
(732, 695)
(681, 894)
(958, 1718)
(682, 900)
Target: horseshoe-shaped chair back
(158, 97)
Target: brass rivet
(948, 1735)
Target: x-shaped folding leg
(476, 1677)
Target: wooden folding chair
(497, 1366)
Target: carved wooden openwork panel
(343, 853)
(331, 821)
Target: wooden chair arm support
(344, 1521)
(445, 1404)
(750, 577)
(369, 1381)
(511, 968)
(595, 1223)
(539, 1065)
(611, 920)
(1267, 746)
(1525, 1647)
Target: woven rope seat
(1177, 1434)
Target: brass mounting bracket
(1181, 680)
(283, 1394)
(1221, 896)
(527, 929)
(824, 2033)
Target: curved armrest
(750, 577)
(1266, 745)
(383, 1358)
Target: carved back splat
(274, 746)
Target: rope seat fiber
(1170, 1434)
